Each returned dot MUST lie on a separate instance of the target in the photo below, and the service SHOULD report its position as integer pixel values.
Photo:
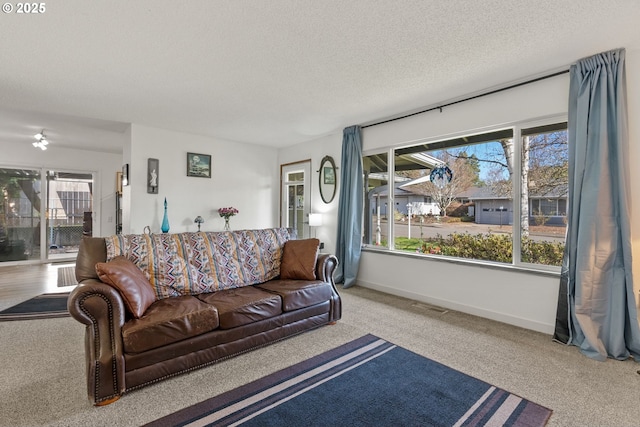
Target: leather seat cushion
(241, 306)
(297, 294)
(167, 321)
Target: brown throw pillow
(299, 259)
(129, 280)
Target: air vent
(429, 307)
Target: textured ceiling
(277, 72)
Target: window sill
(463, 261)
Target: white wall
(244, 176)
(315, 150)
(103, 165)
(510, 296)
(524, 299)
(519, 298)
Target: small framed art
(125, 174)
(329, 174)
(153, 171)
(199, 165)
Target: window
(455, 197)
(376, 199)
(544, 172)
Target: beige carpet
(43, 382)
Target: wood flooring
(21, 282)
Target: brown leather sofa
(178, 334)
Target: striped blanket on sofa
(194, 263)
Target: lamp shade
(315, 219)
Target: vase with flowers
(227, 213)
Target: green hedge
(489, 247)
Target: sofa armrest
(325, 267)
(101, 308)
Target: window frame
(516, 127)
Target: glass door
(20, 214)
(296, 203)
(69, 213)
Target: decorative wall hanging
(153, 172)
(441, 176)
(328, 181)
(199, 165)
(125, 174)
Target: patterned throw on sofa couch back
(195, 263)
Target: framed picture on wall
(125, 174)
(153, 171)
(329, 174)
(199, 165)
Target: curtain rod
(491, 92)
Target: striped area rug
(45, 306)
(367, 382)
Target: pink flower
(228, 212)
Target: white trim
(465, 308)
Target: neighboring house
(486, 206)
(403, 196)
(490, 208)
(377, 198)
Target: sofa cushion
(132, 284)
(167, 321)
(299, 259)
(241, 306)
(297, 294)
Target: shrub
(488, 247)
(548, 253)
(459, 209)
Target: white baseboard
(452, 305)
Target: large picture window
(455, 197)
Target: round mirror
(328, 179)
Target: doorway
(295, 196)
(69, 213)
(43, 214)
(20, 206)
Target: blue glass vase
(165, 220)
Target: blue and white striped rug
(45, 306)
(367, 382)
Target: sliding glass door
(43, 222)
(20, 214)
(69, 213)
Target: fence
(59, 235)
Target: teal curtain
(596, 304)
(349, 239)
